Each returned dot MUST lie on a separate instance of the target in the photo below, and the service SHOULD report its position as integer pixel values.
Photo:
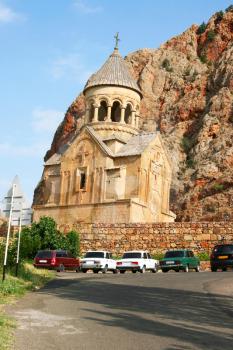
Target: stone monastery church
(110, 172)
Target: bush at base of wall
(41, 235)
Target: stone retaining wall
(156, 237)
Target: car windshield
(174, 254)
(94, 255)
(224, 249)
(132, 255)
(44, 254)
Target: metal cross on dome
(117, 40)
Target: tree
(45, 235)
(202, 28)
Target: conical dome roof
(114, 72)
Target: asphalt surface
(173, 311)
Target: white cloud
(11, 150)
(46, 119)
(7, 15)
(70, 66)
(83, 7)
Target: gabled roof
(114, 137)
(54, 159)
(113, 72)
(136, 145)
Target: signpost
(8, 233)
(19, 214)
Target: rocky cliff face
(187, 87)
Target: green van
(182, 259)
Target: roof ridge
(113, 72)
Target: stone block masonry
(154, 237)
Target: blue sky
(48, 50)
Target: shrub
(190, 162)
(218, 187)
(202, 28)
(203, 58)
(210, 208)
(166, 65)
(73, 242)
(186, 144)
(219, 15)
(203, 256)
(45, 235)
(229, 8)
(211, 35)
(158, 256)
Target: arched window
(103, 110)
(91, 112)
(116, 112)
(128, 114)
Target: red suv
(59, 260)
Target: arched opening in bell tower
(103, 110)
(116, 112)
(128, 112)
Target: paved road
(173, 311)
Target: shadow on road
(185, 316)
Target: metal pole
(8, 234)
(18, 247)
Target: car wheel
(186, 269)
(95, 271)
(105, 269)
(61, 268)
(164, 270)
(177, 270)
(84, 270)
(155, 269)
(134, 271)
(122, 271)
(213, 269)
(224, 269)
(197, 269)
(143, 269)
(115, 271)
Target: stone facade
(154, 237)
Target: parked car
(221, 257)
(98, 261)
(177, 260)
(59, 260)
(137, 261)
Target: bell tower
(113, 98)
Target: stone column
(87, 116)
(122, 121)
(95, 119)
(108, 119)
(137, 121)
(133, 121)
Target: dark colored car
(177, 260)
(221, 257)
(59, 260)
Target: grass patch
(7, 326)
(13, 287)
